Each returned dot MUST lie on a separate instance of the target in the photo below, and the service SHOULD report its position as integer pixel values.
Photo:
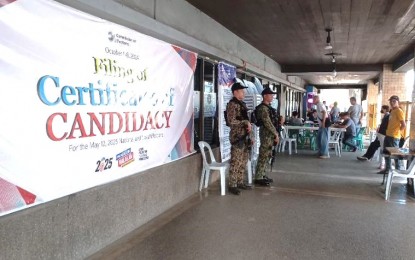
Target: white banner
(85, 101)
(226, 77)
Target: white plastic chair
(409, 173)
(213, 165)
(335, 140)
(285, 138)
(381, 159)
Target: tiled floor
(316, 209)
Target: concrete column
(301, 112)
(373, 107)
(412, 117)
(283, 100)
(412, 123)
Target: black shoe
(267, 178)
(234, 190)
(244, 187)
(383, 172)
(262, 182)
(354, 149)
(362, 158)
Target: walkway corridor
(316, 209)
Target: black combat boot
(234, 190)
(267, 178)
(262, 182)
(244, 187)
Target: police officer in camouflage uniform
(267, 133)
(238, 121)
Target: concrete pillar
(412, 117)
(412, 123)
(283, 100)
(373, 108)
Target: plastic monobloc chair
(359, 138)
(213, 165)
(286, 139)
(409, 173)
(335, 141)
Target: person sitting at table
(312, 115)
(294, 120)
(350, 130)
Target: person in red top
(393, 131)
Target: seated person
(294, 120)
(381, 133)
(350, 130)
(312, 115)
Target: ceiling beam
(290, 69)
(406, 57)
(342, 86)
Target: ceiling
(367, 33)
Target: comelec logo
(120, 39)
(111, 36)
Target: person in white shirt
(334, 113)
(356, 113)
(295, 120)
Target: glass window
(205, 103)
(196, 101)
(209, 102)
(293, 102)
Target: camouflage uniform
(237, 114)
(267, 134)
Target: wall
(373, 107)
(180, 23)
(411, 131)
(80, 224)
(412, 118)
(372, 93)
(393, 83)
